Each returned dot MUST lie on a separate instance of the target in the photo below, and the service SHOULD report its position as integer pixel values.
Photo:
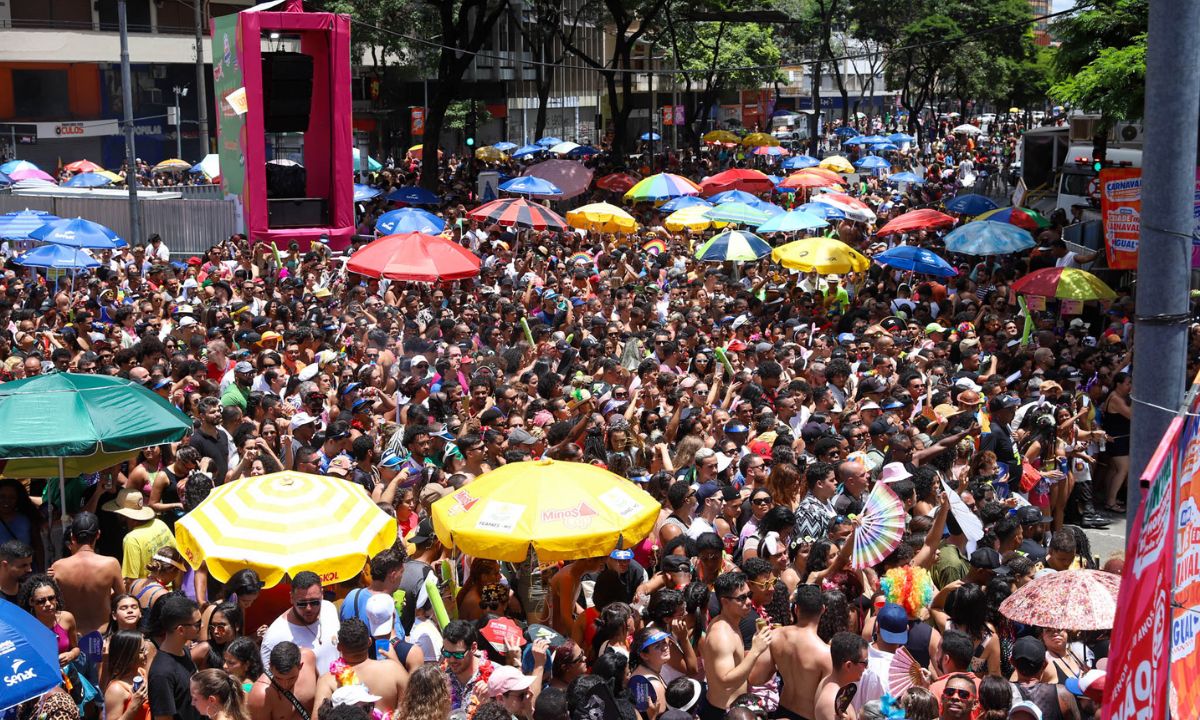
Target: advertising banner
(1121, 211)
(668, 115)
(1185, 620)
(231, 115)
(418, 121)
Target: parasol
(1068, 600)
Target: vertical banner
(418, 121)
(1136, 688)
(680, 117)
(668, 115)
(228, 87)
(1121, 210)
(1185, 621)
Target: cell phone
(138, 682)
(381, 647)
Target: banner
(418, 121)
(668, 115)
(680, 117)
(1185, 620)
(1136, 687)
(1121, 211)
(228, 86)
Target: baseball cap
(966, 383)
(985, 558)
(621, 554)
(894, 472)
(243, 367)
(349, 388)
(506, 679)
(519, 436)
(732, 428)
(1029, 515)
(434, 492)
(1090, 684)
(381, 614)
(340, 466)
(1025, 709)
(707, 490)
(935, 328)
(729, 492)
(418, 359)
(882, 427)
(893, 624)
(424, 532)
(1001, 402)
(361, 405)
(1028, 655)
(301, 419)
(655, 637)
(353, 694)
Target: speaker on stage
(287, 82)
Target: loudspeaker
(297, 213)
(287, 81)
(286, 181)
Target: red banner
(1121, 208)
(418, 121)
(1185, 621)
(668, 115)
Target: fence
(187, 226)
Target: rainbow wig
(909, 587)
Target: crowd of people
(760, 408)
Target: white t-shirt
(318, 637)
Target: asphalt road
(1106, 542)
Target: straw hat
(130, 504)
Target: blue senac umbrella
(821, 210)
(582, 151)
(885, 147)
(729, 196)
(57, 257)
(413, 195)
(409, 220)
(87, 180)
(901, 138)
(873, 162)
(906, 177)
(363, 193)
(770, 209)
(736, 212)
(856, 140)
(988, 238)
(78, 233)
(527, 150)
(530, 185)
(549, 141)
(505, 146)
(30, 656)
(733, 245)
(845, 131)
(12, 166)
(793, 221)
(651, 136)
(874, 140)
(682, 202)
(916, 259)
(17, 225)
(799, 162)
(970, 204)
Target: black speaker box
(287, 91)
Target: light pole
(135, 211)
(179, 92)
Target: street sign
(488, 185)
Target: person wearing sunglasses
(848, 653)
(729, 666)
(958, 698)
(311, 622)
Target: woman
(1062, 662)
(41, 598)
(126, 614)
(760, 503)
(166, 570)
(406, 510)
(126, 694)
(428, 695)
(667, 610)
(1045, 451)
(995, 698)
(614, 629)
(919, 704)
(569, 663)
(218, 695)
(785, 485)
(779, 520)
(224, 626)
(19, 518)
(484, 593)
(652, 648)
(964, 607)
(242, 589)
(1116, 413)
(243, 661)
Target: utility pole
(201, 88)
(135, 211)
(1164, 257)
(179, 92)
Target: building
(862, 74)
(1041, 29)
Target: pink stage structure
(261, 94)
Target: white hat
(869, 405)
(308, 372)
(353, 695)
(300, 419)
(966, 383)
(187, 321)
(381, 614)
(417, 360)
(1024, 709)
(723, 461)
(893, 472)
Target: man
(848, 655)
(800, 655)
(385, 679)
(311, 622)
(463, 661)
(564, 588)
(413, 573)
(727, 662)
(87, 581)
(287, 688)
(708, 495)
(1054, 700)
(620, 568)
(958, 698)
(239, 389)
(147, 534)
(170, 675)
(16, 565)
(952, 563)
(212, 440)
(999, 438)
(815, 511)
(1063, 553)
(953, 659)
(514, 690)
(1033, 532)
(387, 569)
(853, 477)
(891, 634)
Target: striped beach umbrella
(516, 212)
(662, 186)
(283, 523)
(733, 245)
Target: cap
(707, 490)
(1029, 655)
(433, 492)
(391, 460)
(361, 405)
(1001, 402)
(935, 328)
(893, 624)
(761, 449)
(1090, 684)
(894, 472)
(440, 432)
(424, 532)
(763, 347)
(729, 492)
(621, 554)
(381, 614)
(872, 384)
(341, 466)
(506, 679)
(300, 419)
(187, 321)
(519, 436)
(354, 694)
(1025, 710)
(349, 388)
(734, 427)
(882, 427)
(892, 404)
(966, 383)
(655, 637)
(869, 405)
(417, 360)
(985, 558)
(243, 367)
(1029, 515)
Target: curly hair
(784, 484)
(428, 695)
(32, 585)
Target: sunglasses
(948, 693)
(306, 603)
(761, 501)
(740, 598)
(455, 654)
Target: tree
(548, 19)
(1101, 63)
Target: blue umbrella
(821, 210)
(901, 138)
(763, 206)
(874, 140)
(78, 233)
(582, 151)
(88, 180)
(856, 140)
(363, 193)
(793, 221)
(409, 220)
(530, 185)
(57, 257)
(5, 180)
(526, 150)
(916, 259)
(682, 202)
(775, 178)
(505, 146)
(12, 166)
(30, 656)
(739, 196)
(413, 196)
(845, 131)
(988, 238)
(885, 147)
(651, 136)
(799, 162)
(906, 177)
(733, 245)
(970, 204)
(550, 141)
(18, 225)
(873, 162)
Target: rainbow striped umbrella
(734, 245)
(1064, 284)
(662, 186)
(517, 212)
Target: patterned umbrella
(970, 204)
(1031, 220)
(662, 186)
(733, 245)
(923, 219)
(1068, 600)
(692, 219)
(770, 150)
(821, 210)
(988, 238)
(171, 165)
(516, 212)
(854, 208)
(880, 529)
(12, 166)
(1064, 284)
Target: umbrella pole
(62, 497)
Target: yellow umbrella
(837, 163)
(692, 219)
(283, 523)
(490, 154)
(759, 139)
(823, 254)
(110, 175)
(172, 165)
(561, 510)
(602, 217)
(721, 136)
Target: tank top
(919, 634)
(1043, 695)
(61, 636)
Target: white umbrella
(563, 148)
(967, 129)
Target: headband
(695, 698)
(173, 563)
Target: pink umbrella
(29, 174)
(571, 177)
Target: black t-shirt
(215, 448)
(11, 598)
(168, 683)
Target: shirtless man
(564, 587)
(848, 653)
(292, 676)
(727, 662)
(87, 581)
(801, 656)
(386, 679)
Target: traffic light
(1098, 164)
(470, 126)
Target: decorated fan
(880, 527)
(904, 673)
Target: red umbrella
(416, 257)
(517, 212)
(751, 181)
(924, 219)
(82, 166)
(822, 172)
(806, 181)
(617, 182)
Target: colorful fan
(582, 257)
(654, 247)
(880, 529)
(904, 673)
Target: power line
(744, 68)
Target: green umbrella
(68, 424)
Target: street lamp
(179, 92)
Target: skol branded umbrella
(602, 217)
(415, 257)
(825, 255)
